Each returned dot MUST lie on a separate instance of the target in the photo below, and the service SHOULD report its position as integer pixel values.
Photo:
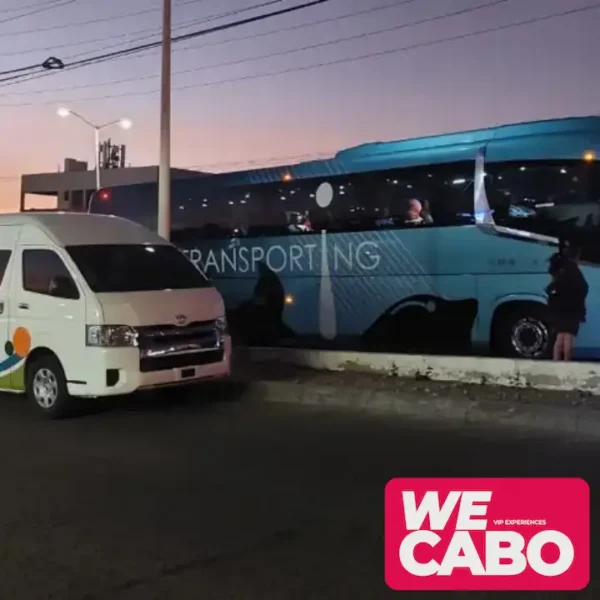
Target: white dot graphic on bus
(324, 195)
(327, 316)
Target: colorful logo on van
(12, 368)
(16, 349)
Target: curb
(532, 374)
(581, 423)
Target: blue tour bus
(431, 245)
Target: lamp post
(123, 123)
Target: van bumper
(117, 372)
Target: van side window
(45, 273)
(4, 258)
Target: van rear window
(136, 268)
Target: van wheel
(47, 387)
(523, 331)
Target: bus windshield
(543, 197)
(136, 268)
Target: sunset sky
(542, 70)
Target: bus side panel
(398, 289)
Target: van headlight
(221, 325)
(110, 336)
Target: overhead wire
(27, 6)
(36, 11)
(489, 4)
(149, 32)
(217, 28)
(24, 70)
(137, 13)
(339, 61)
(297, 26)
(199, 21)
(155, 31)
(26, 76)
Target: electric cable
(367, 34)
(36, 11)
(180, 38)
(343, 60)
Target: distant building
(74, 186)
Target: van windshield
(136, 268)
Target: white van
(94, 305)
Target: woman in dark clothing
(567, 293)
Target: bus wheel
(522, 331)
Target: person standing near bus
(567, 294)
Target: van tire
(46, 387)
(523, 331)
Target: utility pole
(98, 166)
(164, 169)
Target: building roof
(60, 181)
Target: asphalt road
(222, 499)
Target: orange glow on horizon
(589, 156)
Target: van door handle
(1, 307)
(24, 306)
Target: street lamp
(123, 123)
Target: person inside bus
(567, 293)
(413, 214)
(426, 213)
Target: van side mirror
(63, 287)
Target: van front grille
(169, 346)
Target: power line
(26, 76)
(395, 4)
(112, 55)
(208, 19)
(35, 11)
(129, 15)
(27, 6)
(102, 58)
(156, 31)
(149, 32)
(50, 64)
(260, 34)
(22, 74)
(339, 61)
(152, 30)
(444, 16)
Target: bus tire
(522, 330)
(46, 386)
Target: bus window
(301, 207)
(548, 198)
(217, 213)
(436, 195)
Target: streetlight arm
(75, 114)
(116, 122)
